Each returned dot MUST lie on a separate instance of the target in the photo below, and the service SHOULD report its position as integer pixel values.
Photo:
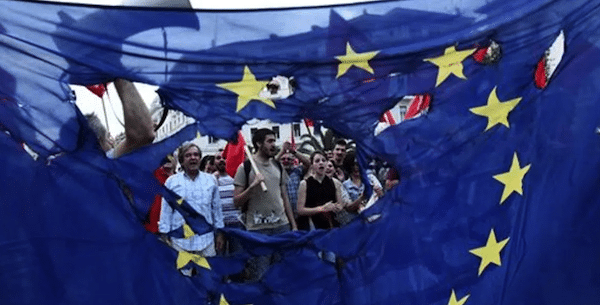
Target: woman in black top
(318, 196)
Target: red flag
(419, 104)
(308, 122)
(540, 77)
(388, 117)
(97, 89)
(547, 65)
(234, 155)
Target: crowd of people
(274, 191)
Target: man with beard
(267, 212)
(201, 192)
(339, 152)
(231, 215)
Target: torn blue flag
(498, 201)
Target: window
(212, 140)
(402, 110)
(276, 131)
(296, 129)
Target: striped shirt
(231, 215)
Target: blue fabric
(202, 194)
(69, 234)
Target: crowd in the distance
(274, 191)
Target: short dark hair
(314, 153)
(206, 160)
(341, 142)
(260, 135)
(181, 151)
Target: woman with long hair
(319, 197)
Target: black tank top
(317, 194)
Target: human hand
(330, 206)
(286, 147)
(378, 191)
(391, 183)
(258, 178)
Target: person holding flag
(267, 212)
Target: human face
(318, 164)
(210, 167)
(339, 153)
(287, 160)
(329, 169)
(220, 163)
(191, 160)
(267, 148)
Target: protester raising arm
(139, 129)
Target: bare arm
(241, 195)
(338, 194)
(284, 149)
(139, 129)
(288, 208)
(304, 159)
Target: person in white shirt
(201, 192)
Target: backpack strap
(248, 168)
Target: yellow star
(180, 201)
(490, 253)
(247, 90)
(513, 179)
(184, 257)
(359, 60)
(223, 301)
(450, 63)
(198, 135)
(496, 111)
(187, 231)
(453, 300)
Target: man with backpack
(267, 212)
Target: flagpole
(263, 186)
(104, 108)
(308, 129)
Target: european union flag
(498, 202)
